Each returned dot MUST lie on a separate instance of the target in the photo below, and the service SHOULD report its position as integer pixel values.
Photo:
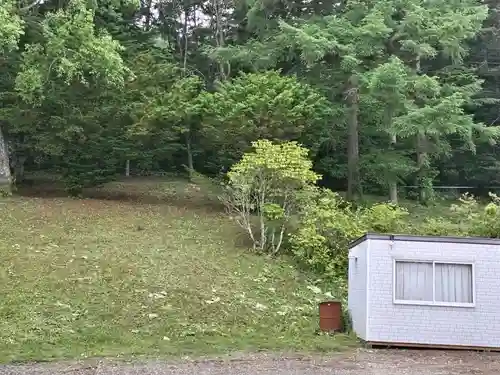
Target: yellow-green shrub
(328, 224)
(437, 226)
(384, 218)
(482, 222)
(267, 188)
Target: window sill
(430, 303)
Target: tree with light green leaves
(11, 29)
(67, 51)
(268, 187)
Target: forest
(384, 94)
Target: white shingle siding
(417, 324)
(357, 288)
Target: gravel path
(361, 362)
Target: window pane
(454, 283)
(414, 281)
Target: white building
(425, 290)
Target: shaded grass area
(86, 278)
(174, 190)
(178, 191)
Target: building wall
(469, 326)
(357, 288)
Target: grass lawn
(86, 278)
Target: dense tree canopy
(384, 93)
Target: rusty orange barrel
(330, 316)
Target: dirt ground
(359, 362)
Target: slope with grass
(84, 278)
(155, 269)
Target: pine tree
(424, 31)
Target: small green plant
(346, 319)
(4, 193)
(6, 189)
(427, 193)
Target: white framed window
(434, 283)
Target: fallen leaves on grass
(80, 280)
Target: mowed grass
(92, 278)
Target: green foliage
(76, 69)
(273, 182)
(71, 51)
(439, 226)
(384, 218)
(11, 25)
(5, 191)
(94, 162)
(467, 217)
(476, 220)
(276, 163)
(328, 224)
(89, 85)
(261, 106)
(172, 106)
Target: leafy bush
(438, 226)
(326, 227)
(272, 194)
(266, 188)
(328, 224)
(384, 218)
(482, 222)
(467, 217)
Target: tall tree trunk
(189, 152)
(393, 179)
(353, 176)
(224, 66)
(421, 165)
(421, 155)
(185, 36)
(149, 15)
(19, 168)
(5, 175)
(393, 184)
